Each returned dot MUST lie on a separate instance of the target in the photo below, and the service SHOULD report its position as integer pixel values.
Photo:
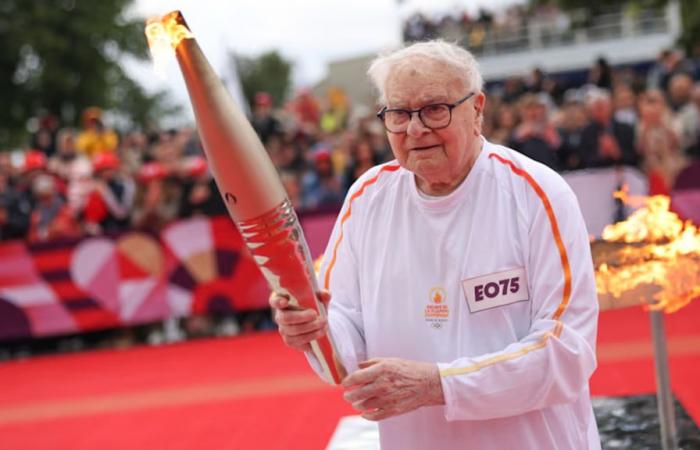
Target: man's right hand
(298, 327)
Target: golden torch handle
(250, 185)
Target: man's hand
(386, 387)
(298, 327)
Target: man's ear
(479, 104)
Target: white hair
(455, 57)
(595, 94)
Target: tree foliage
(269, 72)
(60, 56)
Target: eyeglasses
(434, 116)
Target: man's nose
(416, 126)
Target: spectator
(133, 151)
(110, 202)
(685, 118)
(291, 182)
(573, 121)
(66, 157)
(669, 63)
(694, 150)
(320, 186)
(44, 138)
(199, 192)
(15, 210)
(157, 202)
(307, 111)
(263, 121)
(625, 101)
(50, 218)
(33, 166)
(80, 185)
(513, 88)
(362, 158)
(95, 138)
(289, 157)
(658, 142)
(505, 121)
(536, 137)
(606, 141)
(335, 116)
(600, 74)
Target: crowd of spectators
(520, 26)
(74, 182)
(620, 117)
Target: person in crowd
(685, 117)
(133, 151)
(461, 293)
(573, 120)
(15, 210)
(200, 194)
(266, 125)
(625, 104)
(66, 157)
(536, 137)
(80, 186)
(606, 141)
(168, 151)
(321, 187)
(156, 203)
(109, 204)
(289, 157)
(44, 138)
(95, 138)
(22, 198)
(658, 143)
(362, 158)
(506, 119)
(292, 185)
(335, 115)
(694, 150)
(307, 111)
(601, 74)
(51, 218)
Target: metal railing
(565, 29)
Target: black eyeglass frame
(382, 113)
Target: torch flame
(163, 35)
(666, 259)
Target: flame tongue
(653, 222)
(164, 34)
(663, 262)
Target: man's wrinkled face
(435, 156)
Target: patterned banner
(194, 266)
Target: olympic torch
(247, 180)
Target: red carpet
(252, 393)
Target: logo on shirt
(496, 289)
(436, 311)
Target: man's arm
(552, 364)
(338, 275)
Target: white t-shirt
(493, 282)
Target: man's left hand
(386, 387)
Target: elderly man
(462, 296)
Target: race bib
(496, 289)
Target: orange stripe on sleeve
(566, 295)
(355, 195)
